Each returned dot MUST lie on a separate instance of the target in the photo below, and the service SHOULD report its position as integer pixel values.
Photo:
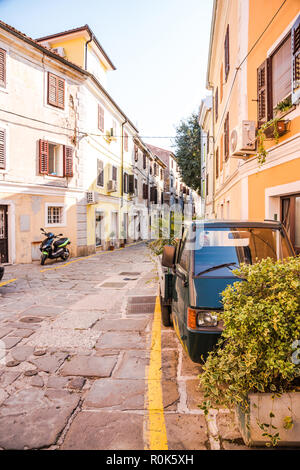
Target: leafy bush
(261, 322)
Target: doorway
(290, 217)
(99, 228)
(3, 234)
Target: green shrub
(261, 322)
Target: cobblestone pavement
(75, 342)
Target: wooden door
(3, 235)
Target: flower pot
(111, 247)
(282, 127)
(261, 405)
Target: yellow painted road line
(7, 282)
(155, 426)
(86, 257)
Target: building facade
(253, 72)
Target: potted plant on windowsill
(256, 369)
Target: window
(184, 253)
(2, 149)
(217, 104)
(100, 118)
(226, 137)
(125, 141)
(55, 214)
(114, 128)
(217, 163)
(100, 173)
(144, 161)
(114, 173)
(296, 60)
(155, 169)
(56, 91)
(125, 183)
(206, 185)
(136, 153)
(145, 191)
(226, 54)
(55, 159)
(221, 83)
(2, 67)
(282, 72)
(207, 143)
(161, 174)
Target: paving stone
(3, 396)
(7, 377)
(102, 301)
(228, 428)
(4, 332)
(22, 333)
(194, 394)
(37, 381)
(21, 353)
(116, 394)
(138, 324)
(168, 340)
(43, 311)
(32, 419)
(121, 340)
(133, 365)
(170, 395)
(105, 431)
(188, 367)
(49, 363)
(169, 360)
(57, 382)
(76, 320)
(89, 366)
(60, 338)
(9, 342)
(77, 383)
(22, 325)
(186, 431)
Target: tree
(188, 151)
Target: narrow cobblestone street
(75, 348)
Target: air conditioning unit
(111, 186)
(243, 140)
(92, 197)
(59, 50)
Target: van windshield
(220, 250)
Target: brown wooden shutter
(296, 61)
(2, 149)
(2, 67)
(226, 137)
(144, 161)
(100, 173)
(43, 157)
(217, 104)
(226, 53)
(131, 184)
(263, 98)
(56, 91)
(136, 153)
(68, 161)
(100, 118)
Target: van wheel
(165, 314)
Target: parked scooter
(54, 249)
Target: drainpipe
(86, 45)
(122, 161)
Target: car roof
(222, 223)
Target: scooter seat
(60, 241)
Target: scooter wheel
(43, 259)
(66, 255)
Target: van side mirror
(168, 256)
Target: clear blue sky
(160, 49)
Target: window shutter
(125, 141)
(100, 173)
(100, 118)
(216, 104)
(68, 161)
(2, 149)
(263, 99)
(217, 163)
(43, 157)
(144, 161)
(2, 67)
(131, 184)
(136, 153)
(114, 173)
(296, 61)
(56, 91)
(226, 53)
(226, 137)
